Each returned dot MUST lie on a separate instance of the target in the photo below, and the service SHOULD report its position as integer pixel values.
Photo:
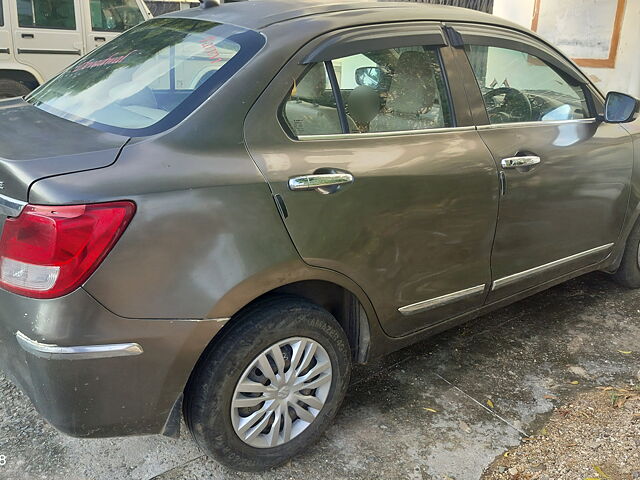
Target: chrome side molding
(441, 301)
(516, 277)
(10, 207)
(84, 352)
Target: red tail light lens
(48, 251)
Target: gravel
(596, 436)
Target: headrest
(363, 104)
(413, 86)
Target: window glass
(519, 87)
(1, 15)
(311, 106)
(114, 15)
(392, 90)
(47, 14)
(149, 72)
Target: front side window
(150, 77)
(1, 15)
(58, 14)
(520, 87)
(393, 90)
(114, 15)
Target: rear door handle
(100, 39)
(28, 35)
(319, 181)
(517, 162)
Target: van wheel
(270, 386)
(628, 273)
(11, 88)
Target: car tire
(11, 88)
(628, 273)
(216, 410)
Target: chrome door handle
(517, 162)
(319, 180)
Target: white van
(38, 38)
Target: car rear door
(565, 174)
(406, 197)
(106, 19)
(47, 34)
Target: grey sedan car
(216, 214)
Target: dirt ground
(596, 436)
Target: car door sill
(517, 277)
(441, 301)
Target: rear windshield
(150, 77)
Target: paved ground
(510, 359)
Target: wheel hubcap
(281, 392)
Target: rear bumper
(91, 373)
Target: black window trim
(337, 95)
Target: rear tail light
(48, 251)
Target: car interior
(402, 92)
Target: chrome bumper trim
(85, 352)
(441, 301)
(516, 277)
(10, 207)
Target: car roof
(259, 14)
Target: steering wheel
(514, 107)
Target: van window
(47, 14)
(114, 15)
(1, 15)
(150, 77)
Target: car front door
(565, 174)
(106, 19)
(400, 194)
(47, 34)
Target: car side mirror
(370, 77)
(621, 108)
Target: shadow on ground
(442, 409)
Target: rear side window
(150, 77)
(393, 90)
(520, 87)
(58, 14)
(311, 107)
(1, 15)
(114, 15)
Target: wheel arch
(350, 306)
(23, 74)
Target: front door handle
(517, 162)
(319, 181)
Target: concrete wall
(625, 76)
